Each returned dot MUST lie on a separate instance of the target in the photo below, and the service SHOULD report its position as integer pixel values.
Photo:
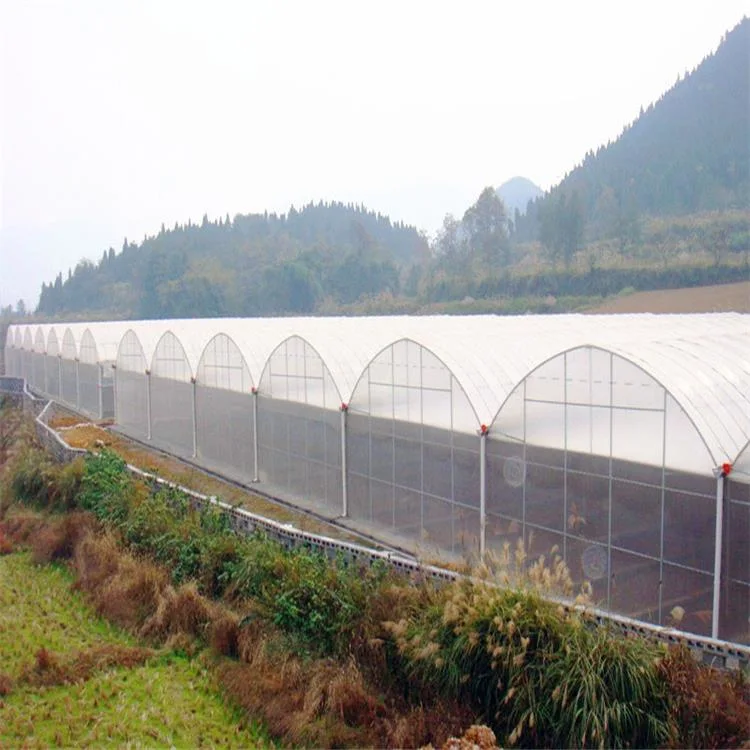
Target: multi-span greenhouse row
(621, 441)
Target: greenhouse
(620, 442)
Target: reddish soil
(719, 298)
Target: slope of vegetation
(330, 654)
(70, 678)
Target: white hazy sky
(118, 115)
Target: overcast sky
(120, 115)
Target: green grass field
(168, 701)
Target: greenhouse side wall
(69, 382)
(415, 481)
(225, 431)
(131, 407)
(735, 593)
(52, 369)
(172, 415)
(564, 475)
(299, 448)
(88, 389)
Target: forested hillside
(687, 153)
(255, 264)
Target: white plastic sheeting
(703, 361)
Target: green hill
(255, 264)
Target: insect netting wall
(413, 452)
(224, 410)
(299, 426)
(592, 457)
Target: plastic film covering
(88, 349)
(88, 389)
(27, 358)
(172, 408)
(299, 425)
(299, 450)
(412, 457)
(131, 387)
(296, 372)
(222, 366)
(590, 456)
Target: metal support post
(148, 403)
(721, 473)
(195, 420)
(483, 491)
(255, 435)
(344, 494)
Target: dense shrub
(539, 674)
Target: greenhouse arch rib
(627, 357)
(305, 342)
(160, 356)
(233, 347)
(438, 357)
(69, 346)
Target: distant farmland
(718, 298)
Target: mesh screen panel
(172, 415)
(587, 473)
(425, 491)
(108, 394)
(53, 376)
(37, 371)
(299, 448)
(225, 431)
(68, 384)
(132, 407)
(88, 390)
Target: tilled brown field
(719, 298)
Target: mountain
(516, 194)
(688, 152)
(254, 264)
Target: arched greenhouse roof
(703, 360)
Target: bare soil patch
(702, 299)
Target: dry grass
(179, 611)
(58, 539)
(6, 684)
(125, 590)
(62, 421)
(709, 708)
(6, 545)
(21, 525)
(51, 669)
(323, 703)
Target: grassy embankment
(331, 655)
(69, 678)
